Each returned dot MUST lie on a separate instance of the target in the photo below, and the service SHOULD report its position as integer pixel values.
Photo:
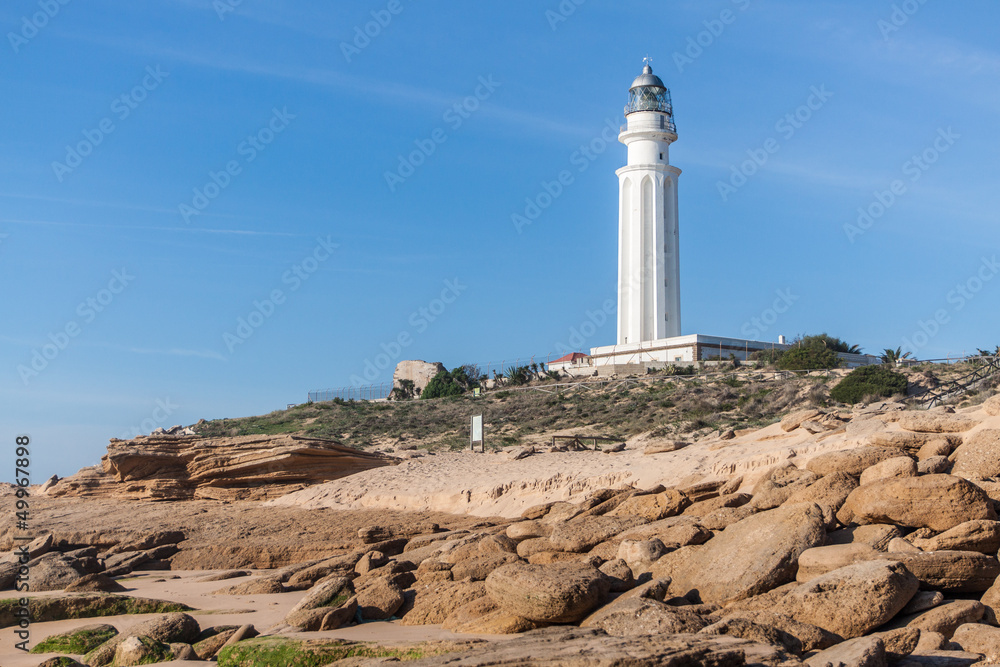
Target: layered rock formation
(165, 467)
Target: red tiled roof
(572, 356)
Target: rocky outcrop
(418, 372)
(239, 468)
(938, 502)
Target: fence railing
(371, 392)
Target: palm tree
(892, 357)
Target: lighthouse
(649, 294)
(649, 268)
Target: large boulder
(947, 618)
(859, 652)
(653, 506)
(938, 502)
(750, 557)
(329, 594)
(643, 616)
(979, 456)
(951, 571)
(420, 373)
(818, 561)
(434, 602)
(778, 484)
(900, 466)
(828, 492)
(852, 461)
(558, 593)
(934, 422)
(979, 638)
(754, 631)
(583, 533)
(852, 600)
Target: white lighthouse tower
(649, 286)
(649, 293)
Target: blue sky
(171, 168)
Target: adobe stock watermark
(35, 23)
(454, 117)
(419, 321)
(593, 322)
(294, 278)
(913, 169)
(86, 311)
(248, 149)
(759, 325)
(223, 7)
(786, 127)
(363, 35)
(121, 108)
(900, 16)
(958, 298)
(550, 191)
(158, 417)
(714, 28)
(562, 12)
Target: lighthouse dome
(647, 80)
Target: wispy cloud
(144, 228)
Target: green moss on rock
(280, 652)
(76, 642)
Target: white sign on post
(477, 433)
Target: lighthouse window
(661, 156)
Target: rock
(249, 467)
(951, 571)
(778, 484)
(852, 600)
(141, 650)
(703, 507)
(663, 446)
(306, 577)
(900, 466)
(948, 617)
(436, 601)
(370, 561)
(979, 456)
(991, 601)
(938, 502)
(380, 599)
(727, 516)
(150, 541)
(420, 373)
(643, 616)
(980, 535)
(912, 443)
(572, 646)
(757, 632)
(930, 422)
(900, 642)
(859, 652)
(95, 583)
(559, 593)
(675, 530)
(641, 554)
(828, 492)
(523, 530)
(54, 571)
(247, 631)
(820, 560)
(79, 640)
(942, 658)
(653, 507)
(934, 465)
(923, 601)
(482, 616)
(124, 562)
(899, 545)
(877, 536)
(534, 545)
(329, 593)
(850, 461)
(935, 448)
(579, 535)
(223, 576)
(259, 586)
(60, 661)
(478, 568)
(795, 419)
(991, 406)
(978, 638)
(811, 637)
(749, 557)
(930, 641)
(212, 640)
(619, 574)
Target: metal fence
(371, 392)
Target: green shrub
(441, 385)
(808, 356)
(868, 381)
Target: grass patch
(77, 643)
(85, 606)
(280, 652)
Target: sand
(263, 611)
